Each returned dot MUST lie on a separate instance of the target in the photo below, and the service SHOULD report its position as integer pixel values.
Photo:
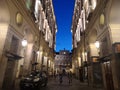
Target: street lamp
(23, 52)
(38, 52)
(24, 42)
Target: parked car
(44, 78)
(34, 81)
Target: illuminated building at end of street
(63, 61)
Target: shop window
(117, 48)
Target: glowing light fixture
(24, 42)
(94, 4)
(97, 44)
(85, 53)
(38, 52)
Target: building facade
(95, 31)
(32, 23)
(63, 61)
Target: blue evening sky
(63, 10)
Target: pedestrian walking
(69, 77)
(60, 77)
(54, 74)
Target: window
(94, 3)
(102, 19)
(19, 19)
(28, 4)
(14, 44)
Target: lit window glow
(102, 19)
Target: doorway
(10, 72)
(108, 76)
(8, 79)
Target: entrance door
(97, 75)
(9, 75)
(108, 76)
(81, 74)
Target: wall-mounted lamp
(97, 44)
(38, 52)
(24, 42)
(85, 53)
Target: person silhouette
(60, 77)
(69, 77)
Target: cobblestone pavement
(75, 85)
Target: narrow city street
(42, 39)
(75, 85)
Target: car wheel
(39, 86)
(45, 84)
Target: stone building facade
(32, 23)
(96, 47)
(63, 61)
